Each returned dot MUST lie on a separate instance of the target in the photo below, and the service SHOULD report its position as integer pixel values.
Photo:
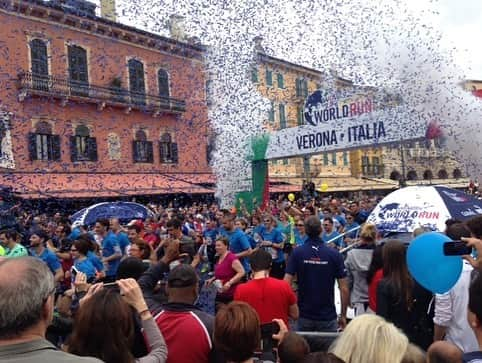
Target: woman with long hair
(401, 300)
(104, 325)
(228, 272)
(357, 264)
(374, 276)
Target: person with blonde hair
(370, 339)
(357, 265)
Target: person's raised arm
(345, 300)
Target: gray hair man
(26, 310)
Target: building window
(301, 87)
(137, 85)
(82, 146)
(282, 116)
(168, 150)
(281, 82)
(333, 158)
(345, 158)
(285, 161)
(300, 117)
(43, 145)
(326, 161)
(254, 75)
(365, 165)
(271, 113)
(163, 80)
(142, 149)
(40, 65)
(269, 78)
(376, 165)
(78, 71)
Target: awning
(69, 185)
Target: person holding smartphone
(82, 263)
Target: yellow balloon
(291, 197)
(324, 187)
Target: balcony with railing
(69, 90)
(372, 170)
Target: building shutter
(73, 149)
(150, 152)
(56, 152)
(32, 146)
(135, 155)
(174, 153)
(92, 148)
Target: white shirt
(451, 312)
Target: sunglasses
(73, 250)
(300, 225)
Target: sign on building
(346, 119)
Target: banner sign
(346, 119)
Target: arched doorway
(427, 174)
(457, 174)
(412, 175)
(442, 174)
(395, 175)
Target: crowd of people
(205, 284)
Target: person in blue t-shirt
(330, 235)
(273, 242)
(79, 251)
(317, 267)
(38, 239)
(351, 230)
(300, 235)
(116, 228)
(238, 242)
(111, 252)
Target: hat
(182, 276)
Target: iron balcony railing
(33, 84)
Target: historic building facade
(90, 107)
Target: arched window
(163, 80)
(427, 175)
(42, 144)
(442, 174)
(412, 175)
(395, 175)
(457, 174)
(141, 148)
(167, 149)
(137, 85)
(82, 146)
(40, 65)
(78, 71)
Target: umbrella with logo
(124, 211)
(423, 206)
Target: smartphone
(74, 272)
(112, 285)
(267, 341)
(456, 248)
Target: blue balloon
(428, 264)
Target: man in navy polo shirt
(317, 267)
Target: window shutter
(174, 153)
(162, 157)
(254, 75)
(92, 148)
(56, 152)
(163, 79)
(269, 78)
(280, 81)
(32, 146)
(150, 152)
(135, 155)
(297, 87)
(73, 149)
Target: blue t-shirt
(472, 357)
(86, 267)
(238, 242)
(300, 240)
(49, 258)
(110, 246)
(275, 236)
(316, 267)
(74, 234)
(123, 241)
(211, 234)
(353, 234)
(329, 237)
(95, 260)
